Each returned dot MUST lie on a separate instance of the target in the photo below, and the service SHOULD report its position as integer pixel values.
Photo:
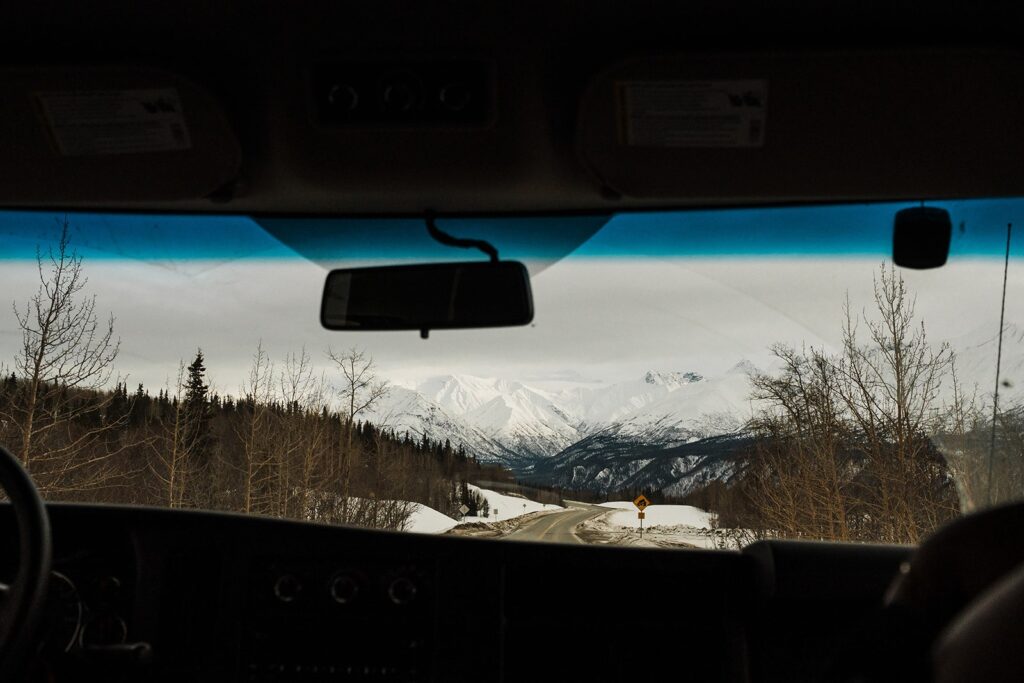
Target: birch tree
(359, 392)
(844, 447)
(254, 430)
(65, 359)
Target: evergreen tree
(197, 408)
(117, 407)
(196, 388)
(138, 411)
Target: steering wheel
(22, 603)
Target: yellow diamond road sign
(641, 502)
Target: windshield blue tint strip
(819, 231)
(979, 229)
(326, 239)
(139, 237)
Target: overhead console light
(921, 237)
(111, 134)
(404, 93)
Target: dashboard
(162, 595)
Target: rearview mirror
(432, 296)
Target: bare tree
(891, 389)
(304, 434)
(173, 462)
(360, 391)
(844, 448)
(801, 463)
(66, 358)
(963, 445)
(254, 431)
(1007, 464)
(385, 476)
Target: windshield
(691, 378)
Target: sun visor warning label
(115, 121)
(693, 113)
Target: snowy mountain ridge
(513, 422)
(661, 427)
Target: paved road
(557, 527)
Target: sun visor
(110, 134)
(807, 126)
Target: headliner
(253, 58)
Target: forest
(295, 443)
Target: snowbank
(619, 504)
(665, 526)
(427, 520)
(658, 515)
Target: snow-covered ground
(658, 515)
(665, 526)
(427, 520)
(503, 507)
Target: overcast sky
(596, 319)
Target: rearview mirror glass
(430, 296)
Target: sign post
(463, 509)
(641, 504)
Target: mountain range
(519, 424)
(663, 430)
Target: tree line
(876, 442)
(290, 445)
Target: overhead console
(805, 126)
(511, 130)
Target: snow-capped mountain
(404, 409)
(528, 420)
(461, 394)
(517, 423)
(688, 403)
